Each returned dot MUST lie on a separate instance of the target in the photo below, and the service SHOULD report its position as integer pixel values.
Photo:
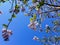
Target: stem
(9, 22)
(12, 13)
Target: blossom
(22, 8)
(35, 38)
(0, 12)
(33, 25)
(6, 34)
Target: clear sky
(22, 35)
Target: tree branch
(52, 5)
(50, 11)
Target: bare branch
(52, 5)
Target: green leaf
(14, 16)
(34, 1)
(59, 14)
(4, 25)
(55, 22)
(25, 1)
(16, 6)
(34, 16)
(31, 19)
(41, 3)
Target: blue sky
(22, 35)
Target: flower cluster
(33, 25)
(6, 34)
